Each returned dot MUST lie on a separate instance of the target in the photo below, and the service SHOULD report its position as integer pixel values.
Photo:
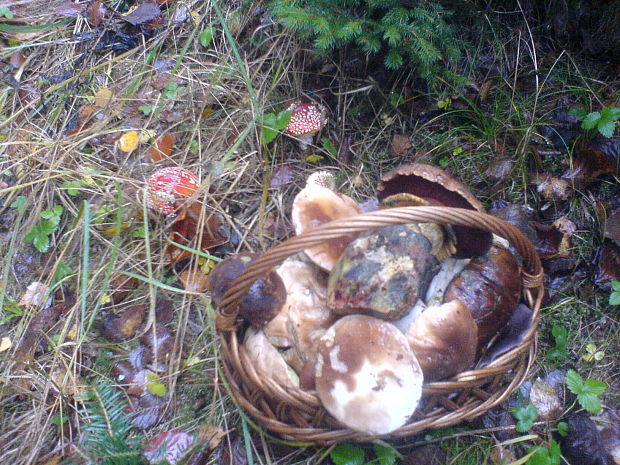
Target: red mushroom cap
(166, 185)
(306, 118)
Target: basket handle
(532, 274)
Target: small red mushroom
(167, 185)
(306, 120)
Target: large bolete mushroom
(264, 299)
(443, 339)
(315, 205)
(439, 188)
(490, 287)
(366, 375)
(382, 273)
(267, 359)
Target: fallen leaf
(281, 176)
(5, 344)
(194, 280)
(551, 187)
(583, 445)
(103, 97)
(502, 455)
(210, 434)
(400, 145)
(120, 287)
(17, 60)
(124, 326)
(345, 152)
(594, 158)
(146, 135)
(69, 9)
(35, 295)
(186, 227)
(143, 13)
(170, 446)
(149, 411)
(96, 12)
(162, 148)
(612, 227)
(548, 239)
(128, 141)
(567, 228)
(546, 400)
(607, 261)
(499, 169)
(164, 311)
(158, 341)
(232, 451)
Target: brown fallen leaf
(345, 151)
(607, 265)
(164, 311)
(169, 446)
(551, 187)
(69, 9)
(158, 340)
(17, 60)
(143, 13)
(120, 287)
(281, 176)
(612, 227)
(35, 295)
(547, 400)
(149, 411)
(499, 169)
(194, 280)
(186, 227)
(400, 145)
(96, 12)
(232, 451)
(594, 158)
(211, 435)
(103, 97)
(124, 326)
(162, 148)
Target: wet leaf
(400, 145)
(594, 158)
(186, 227)
(96, 12)
(154, 386)
(120, 287)
(583, 444)
(128, 141)
(103, 97)
(35, 295)
(499, 169)
(69, 9)
(607, 265)
(211, 434)
(612, 227)
(143, 13)
(281, 176)
(124, 326)
(546, 400)
(170, 446)
(552, 188)
(194, 280)
(162, 148)
(149, 411)
(160, 342)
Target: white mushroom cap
(305, 317)
(366, 375)
(316, 205)
(443, 338)
(267, 359)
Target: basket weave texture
(297, 415)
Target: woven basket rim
(257, 394)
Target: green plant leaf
(206, 36)
(615, 285)
(6, 12)
(19, 203)
(563, 428)
(580, 113)
(347, 454)
(282, 119)
(574, 382)
(269, 125)
(614, 298)
(327, 145)
(606, 127)
(590, 402)
(72, 187)
(155, 387)
(146, 109)
(559, 352)
(525, 416)
(554, 453)
(385, 455)
(593, 386)
(591, 120)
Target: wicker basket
(297, 415)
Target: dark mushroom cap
(264, 299)
(439, 188)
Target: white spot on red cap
(167, 185)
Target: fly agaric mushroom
(439, 188)
(306, 120)
(317, 204)
(489, 286)
(262, 302)
(166, 186)
(366, 375)
(382, 273)
(443, 339)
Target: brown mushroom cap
(366, 375)
(264, 299)
(440, 188)
(490, 287)
(443, 339)
(316, 205)
(382, 273)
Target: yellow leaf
(105, 298)
(196, 17)
(5, 344)
(128, 142)
(72, 334)
(146, 135)
(103, 97)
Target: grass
(214, 110)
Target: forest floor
(97, 293)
